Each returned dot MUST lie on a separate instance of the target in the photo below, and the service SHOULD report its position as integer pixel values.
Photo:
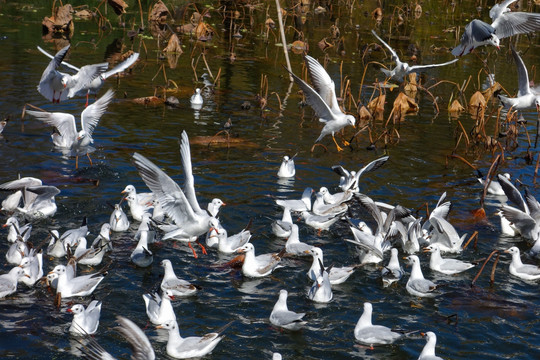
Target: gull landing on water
(402, 68)
(323, 100)
(505, 23)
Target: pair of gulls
(38, 199)
(57, 86)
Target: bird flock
(379, 235)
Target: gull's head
(165, 262)
(432, 248)
(412, 259)
(283, 294)
(130, 198)
(64, 80)
(494, 40)
(351, 120)
(81, 135)
(130, 189)
(323, 190)
(169, 325)
(76, 309)
(105, 230)
(537, 103)
(59, 270)
(513, 250)
(18, 271)
(245, 249)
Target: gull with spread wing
(323, 100)
(505, 24)
(66, 137)
(402, 68)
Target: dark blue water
(484, 322)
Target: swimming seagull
(180, 205)
(336, 275)
(8, 282)
(159, 309)
(66, 137)
(32, 264)
(85, 321)
(417, 285)
(76, 286)
(323, 100)
(281, 316)
(294, 246)
(260, 265)
(98, 81)
(229, 244)
(369, 334)
(282, 228)
(526, 97)
(286, 169)
(196, 100)
(494, 187)
(14, 230)
(193, 346)
(171, 283)
(321, 290)
(118, 220)
(428, 352)
(445, 266)
(520, 270)
(57, 86)
(393, 271)
(140, 345)
(402, 68)
(295, 204)
(505, 23)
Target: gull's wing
(513, 23)
(374, 165)
(65, 123)
(21, 183)
(140, 345)
(85, 76)
(395, 57)
(533, 204)
(122, 66)
(63, 62)
(419, 67)
(50, 72)
(44, 191)
(512, 193)
(189, 180)
(169, 194)
(523, 75)
(443, 227)
(498, 9)
(520, 219)
(373, 209)
(476, 30)
(323, 83)
(341, 171)
(321, 108)
(91, 115)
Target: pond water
(481, 322)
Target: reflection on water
(483, 322)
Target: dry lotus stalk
(174, 45)
(477, 104)
(203, 31)
(324, 44)
(404, 105)
(149, 100)
(411, 86)
(377, 14)
(118, 6)
(334, 31)
(364, 114)
(270, 23)
(159, 12)
(60, 21)
(377, 105)
(84, 14)
(488, 93)
(298, 47)
(417, 11)
(455, 108)
(320, 10)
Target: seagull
(98, 81)
(393, 271)
(402, 68)
(66, 137)
(196, 100)
(260, 265)
(159, 309)
(229, 244)
(417, 285)
(526, 97)
(286, 169)
(214, 206)
(428, 352)
(193, 346)
(505, 23)
(369, 334)
(137, 210)
(140, 345)
(141, 256)
(144, 200)
(17, 251)
(323, 100)
(32, 264)
(320, 208)
(104, 238)
(11, 203)
(85, 321)
(58, 244)
(282, 228)
(282, 317)
(350, 180)
(180, 205)
(319, 222)
(321, 290)
(171, 283)
(445, 266)
(119, 221)
(43, 206)
(337, 198)
(14, 230)
(297, 205)
(91, 256)
(520, 270)
(21, 186)
(76, 286)
(56, 86)
(8, 282)
(336, 275)
(494, 187)
(445, 235)
(294, 246)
